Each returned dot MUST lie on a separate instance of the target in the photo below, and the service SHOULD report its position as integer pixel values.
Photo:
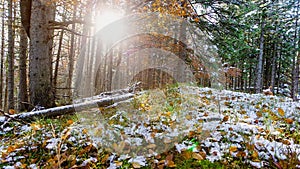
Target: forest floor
(176, 127)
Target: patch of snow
(141, 160)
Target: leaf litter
(218, 124)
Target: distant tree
(10, 56)
(23, 56)
(2, 56)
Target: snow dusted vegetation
(179, 127)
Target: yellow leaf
(188, 117)
(233, 149)
(118, 163)
(281, 111)
(259, 114)
(254, 155)
(11, 148)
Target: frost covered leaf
(281, 111)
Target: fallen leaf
(241, 154)
(233, 149)
(289, 121)
(259, 114)
(281, 111)
(197, 156)
(11, 111)
(119, 163)
(225, 118)
(187, 155)
(254, 155)
(69, 122)
(136, 165)
(151, 146)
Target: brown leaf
(241, 154)
(289, 121)
(151, 146)
(225, 118)
(187, 155)
(197, 156)
(136, 165)
(259, 114)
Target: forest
(150, 84)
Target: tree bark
(57, 62)
(25, 11)
(71, 56)
(40, 73)
(10, 56)
(258, 84)
(2, 58)
(296, 61)
(23, 95)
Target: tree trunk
(71, 57)
(40, 73)
(23, 95)
(296, 61)
(10, 56)
(258, 84)
(57, 62)
(2, 58)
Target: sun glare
(107, 17)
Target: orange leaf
(11, 111)
(11, 148)
(281, 111)
(289, 121)
(233, 149)
(241, 154)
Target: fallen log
(69, 109)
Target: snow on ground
(250, 126)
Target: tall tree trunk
(296, 61)
(40, 73)
(57, 62)
(23, 95)
(2, 57)
(258, 84)
(71, 56)
(10, 56)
